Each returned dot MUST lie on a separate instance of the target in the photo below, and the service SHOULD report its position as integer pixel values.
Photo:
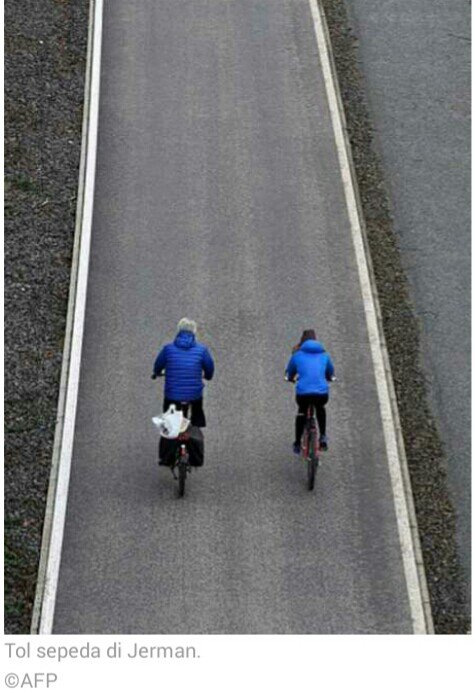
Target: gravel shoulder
(45, 55)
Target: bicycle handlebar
(286, 378)
(294, 380)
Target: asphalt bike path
(219, 196)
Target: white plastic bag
(171, 423)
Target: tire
(312, 463)
(310, 474)
(304, 444)
(181, 479)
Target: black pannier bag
(167, 450)
(195, 444)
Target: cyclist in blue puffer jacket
(185, 362)
(314, 369)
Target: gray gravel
(45, 59)
(45, 46)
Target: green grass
(24, 183)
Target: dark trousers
(303, 402)
(198, 418)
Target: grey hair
(187, 324)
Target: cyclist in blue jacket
(314, 369)
(185, 362)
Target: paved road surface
(416, 61)
(219, 196)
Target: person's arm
(208, 365)
(160, 362)
(330, 369)
(291, 370)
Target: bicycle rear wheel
(181, 479)
(312, 461)
(310, 474)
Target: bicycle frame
(310, 430)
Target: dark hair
(306, 335)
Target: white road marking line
(407, 526)
(43, 613)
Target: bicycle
(309, 444)
(181, 466)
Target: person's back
(313, 368)
(185, 362)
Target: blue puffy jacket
(314, 368)
(185, 362)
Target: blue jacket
(314, 368)
(184, 361)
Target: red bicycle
(309, 444)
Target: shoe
(296, 448)
(323, 443)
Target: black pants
(303, 402)
(198, 418)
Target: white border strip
(48, 573)
(403, 502)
